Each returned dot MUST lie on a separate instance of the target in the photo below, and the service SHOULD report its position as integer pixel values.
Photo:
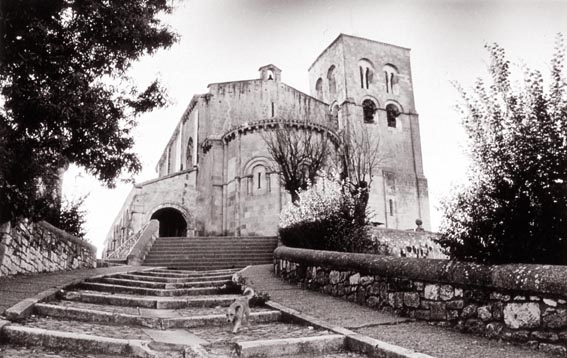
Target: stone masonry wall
(41, 247)
(519, 303)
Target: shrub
(515, 207)
(323, 219)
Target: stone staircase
(211, 253)
(160, 313)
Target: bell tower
(368, 87)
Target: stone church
(215, 176)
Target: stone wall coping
(518, 277)
(68, 237)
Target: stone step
(150, 321)
(170, 279)
(149, 291)
(158, 285)
(211, 255)
(317, 345)
(72, 341)
(207, 259)
(206, 266)
(190, 273)
(243, 250)
(219, 238)
(104, 298)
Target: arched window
(259, 179)
(368, 109)
(270, 75)
(366, 70)
(319, 88)
(335, 114)
(332, 81)
(392, 112)
(391, 77)
(189, 153)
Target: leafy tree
(515, 208)
(71, 217)
(299, 154)
(65, 94)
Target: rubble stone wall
(41, 247)
(519, 302)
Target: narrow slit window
(391, 202)
(361, 77)
(259, 180)
(273, 109)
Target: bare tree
(299, 154)
(360, 155)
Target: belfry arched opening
(171, 222)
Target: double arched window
(366, 71)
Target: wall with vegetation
(519, 302)
(41, 247)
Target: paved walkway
(16, 288)
(421, 337)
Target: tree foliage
(299, 154)
(515, 208)
(65, 94)
(71, 217)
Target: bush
(515, 206)
(323, 219)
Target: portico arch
(173, 222)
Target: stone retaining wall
(41, 247)
(521, 303)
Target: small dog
(240, 309)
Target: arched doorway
(171, 222)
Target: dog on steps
(240, 309)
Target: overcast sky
(227, 40)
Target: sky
(227, 40)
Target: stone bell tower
(368, 87)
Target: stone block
(544, 336)
(550, 302)
(438, 311)
(396, 299)
(431, 292)
(423, 315)
(366, 280)
(554, 318)
(498, 310)
(455, 305)
(373, 301)
(334, 277)
(494, 329)
(522, 315)
(411, 299)
(354, 279)
(553, 349)
(459, 292)
(469, 311)
(484, 313)
(452, 315)
(446, 292)
(474, 325)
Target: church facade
(215, 175)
